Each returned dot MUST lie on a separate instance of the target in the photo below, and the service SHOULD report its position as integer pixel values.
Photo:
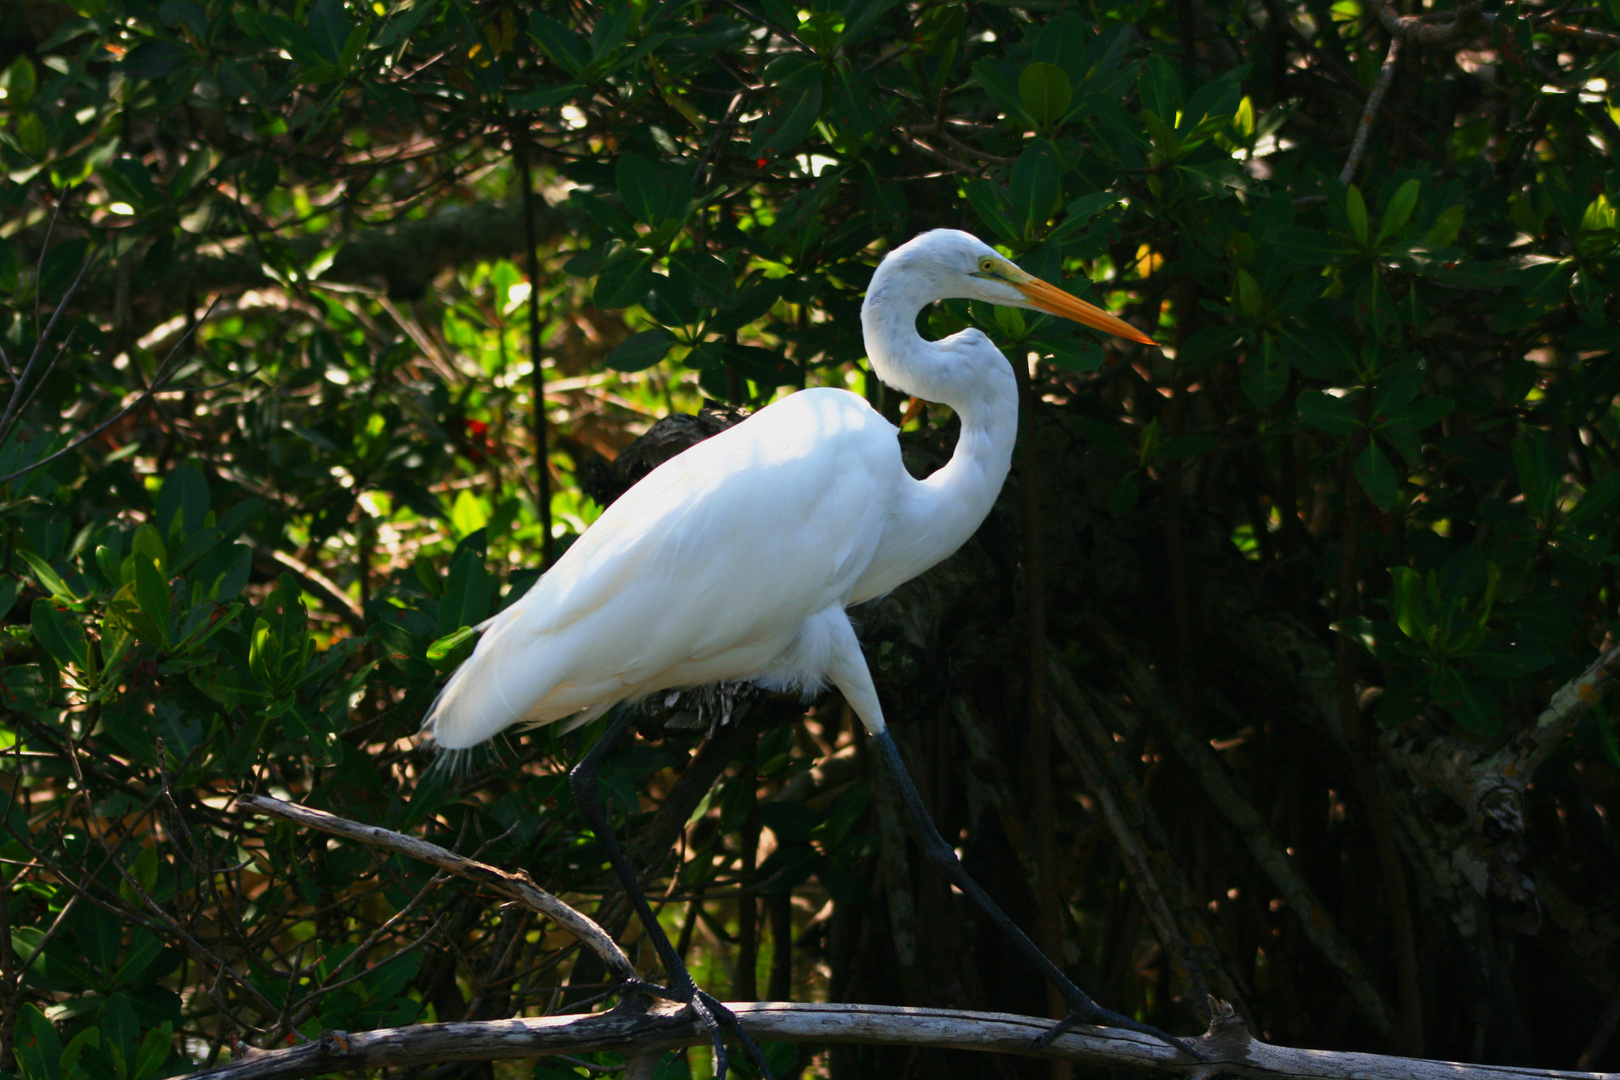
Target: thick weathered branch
(1425, 30)
(516, 886)
(1487, 850)
(1232, 1051)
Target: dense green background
(1386, 406)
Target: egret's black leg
(582, 780)
(1082, 1010)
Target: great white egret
(737, 560)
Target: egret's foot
(1089, 1012)
(714, 1016)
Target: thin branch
(518, 886)
(18, 401)
(965, 148)
(1386, 75)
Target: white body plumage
(737, 558)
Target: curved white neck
(964, 371)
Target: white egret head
(951, 263)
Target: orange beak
(1052, 299)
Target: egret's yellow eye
(987, 265)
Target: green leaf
(1377, 477)
(182, 502)
(152, 593)
(1250, 300)
(1535, 458)
(148, 542)
(624, 282)
(1164, 138)
(641, 187)
(1355, 209)
(1469, 701)
(60, 633)
(1045, 92)
(991, 205)
(859, 16)
(280, 646)
(38, 1047)
(1326, 412)
(641, 351)
(1307, 247)
(91, 1037)
(8, 267)
(155, 59)
(1265, 374)
(1398, 385)
(1445, 227)
(468, 513)
(48, 579)
(565, 48)
(610, 29)
(1599, 495)
(1080, 212)
(1399, 209)
(328, 28)
(752, 304)
(1243, 119)
(442, 653)
(1071, 353)
(467, 590)
(19, 82)
(1419, 414)
(154, 1052)
(31, 134)
(1037, 184)
(710, 354)
(793, 112)
(545, 97)
(1408, 603)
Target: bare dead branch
(516, 886)
(1386, 75)
(1232, 1051)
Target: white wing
(703, 571)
